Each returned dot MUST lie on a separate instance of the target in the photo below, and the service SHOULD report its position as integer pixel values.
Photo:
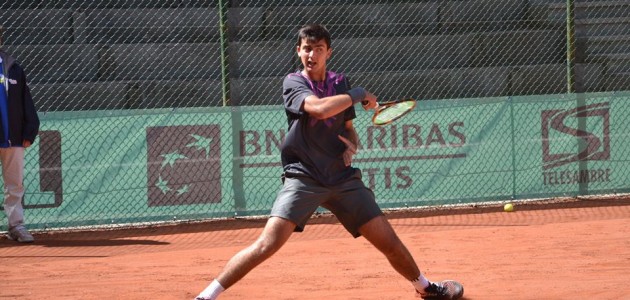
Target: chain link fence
(144, 101)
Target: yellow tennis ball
(508, 207)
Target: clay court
(564, 251)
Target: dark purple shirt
(311, 146)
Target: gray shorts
(351, 202)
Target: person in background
(19, 126)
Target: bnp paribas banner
(117, 167)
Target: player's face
(314, 56)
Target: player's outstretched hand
(351, 150)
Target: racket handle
(364, 103)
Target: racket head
(391, 111)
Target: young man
(317, 161)
(19, 125)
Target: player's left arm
(351, 141)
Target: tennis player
(317, 161)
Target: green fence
(172, 110)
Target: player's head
(313, 48)
(313, 33)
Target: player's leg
(296, 202)
(380, 233)
(357, 210)
(275, 234)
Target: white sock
(211, 292)
(420, 283)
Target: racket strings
(392, 112)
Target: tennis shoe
(20, 234)
(443, 290)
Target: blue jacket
(23, 122)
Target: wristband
(357, 94)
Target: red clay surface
(562, 253)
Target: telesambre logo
(597, 145)
(184, 165)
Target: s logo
(596, 144)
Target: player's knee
(266, 248)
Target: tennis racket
(387, 112)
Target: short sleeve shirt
(311, 146)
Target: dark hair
(313, 33)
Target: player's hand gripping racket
(388, 112)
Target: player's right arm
(322, 108)
(298, 97)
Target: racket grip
(364, 103)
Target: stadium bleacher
(145, 54)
